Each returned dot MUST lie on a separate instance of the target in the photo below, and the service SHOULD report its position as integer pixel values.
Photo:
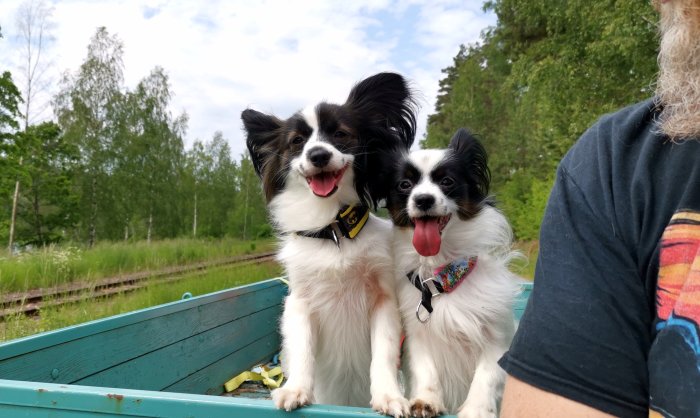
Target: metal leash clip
(420, 305)
(336, 233)
(432, 292)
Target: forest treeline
(111, 165)
(536, 82)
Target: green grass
(197, 284)
(65, 263)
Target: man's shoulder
(624, 125)
(633, 115)
(621, 134)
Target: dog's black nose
(319, 157)
(424, 201)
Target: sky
(224, 56)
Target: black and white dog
(319, 168)
(452, 249)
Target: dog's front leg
(487, 385)
(426, 392)
(298, 342)
(385, 328)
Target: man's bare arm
(521, 400)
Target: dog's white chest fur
(339, 288)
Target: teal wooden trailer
(168, 361)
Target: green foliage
(148, 156)
(216, 189)
(48, 204)
(10, 169)
(248, 219)
(523, 201)
(10, 99)
(536, 81)
(263, 231)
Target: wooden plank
(210, 379)
(171, 363)
(113, 344)
(45, 399)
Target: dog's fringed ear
(386, 114)
(387, 103)
(262, 131)
(469, 149)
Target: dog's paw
(482, 410)
(421, 408)
(392, 405)
(289, 398)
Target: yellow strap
(266, 376)
(348, 210)
(234, 383)
(359, 225)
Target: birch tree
(33, 24)
(196, 166)
(87, 108)
(149, 156)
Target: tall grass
(65, 263)
(88, 310)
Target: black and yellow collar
(348, 223)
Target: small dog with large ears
(319, 168)
(452, 248)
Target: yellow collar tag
(354, 218)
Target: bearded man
(611, 328)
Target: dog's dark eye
(297, 140)
(404, 186)
(340, 134)
(447, 182)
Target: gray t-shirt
(612, 321)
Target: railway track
(32, 301)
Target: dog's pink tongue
(426, 236)
(322, 184)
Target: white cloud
(276, 56)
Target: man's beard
(678, 85)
